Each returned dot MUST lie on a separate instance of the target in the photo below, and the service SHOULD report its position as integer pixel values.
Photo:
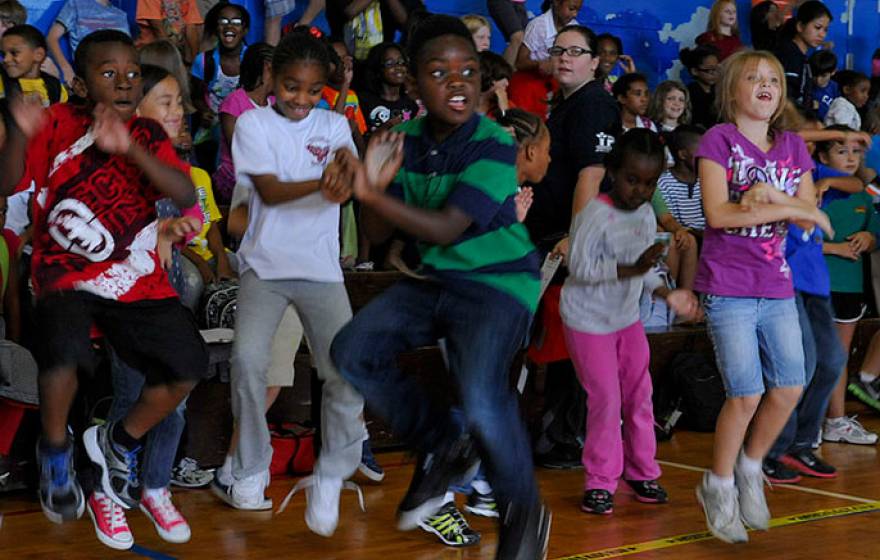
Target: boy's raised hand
(383, 158)
(111, 134)
(28, 113)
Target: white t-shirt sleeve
(241, 195)
(252, 152)
(536, 37)
(842, 112)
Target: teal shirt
(849, 215)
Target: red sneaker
(169, 522)
(111, 527)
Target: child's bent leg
(324, 310)
(58, 388)
(595, 358)
(260, 308)
(639, 440)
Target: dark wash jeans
(483, 329)
(824, 359)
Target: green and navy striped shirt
(474, 169)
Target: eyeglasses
(573, 52)
(238, 22)
(710, 70)
(394, 62)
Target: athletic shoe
(752, 500)
(598, 501)
(111, 527)
(169, 522)
(117, 465)
(868, 393)
(322, 501)
(806, 462)
(187, 474)
(247, 494)
(778, 472)
(369, 467)
(721, 507)
(61, 496)
(455, 460)
(524, 532)
(451, 527)
(483, 505)
(648, 491)
(847, 430)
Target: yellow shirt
(210, 212)
(37, 86)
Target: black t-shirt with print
(582, 132)
(378, 111)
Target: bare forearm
(376, 228)
(437, 228)
(12, 160)
(168, 180)
(732, 215)
(524, 60)
(312, 10)
(272, 191)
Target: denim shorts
(758, 343)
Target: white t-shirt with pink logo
(297, 239)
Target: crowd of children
(143, 172)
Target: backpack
(218, 305)
(698, 384)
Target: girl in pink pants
(611, 260)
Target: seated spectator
(217, 70)
(823, 65)
(854, 88)
(632, 93)
(480, 31)
(11, 13)
(164, 54)
(680, 185)
(77, 19)
(670, 106)
(255, 91)
(612, 62)
(805, 31)
(178, 21)
(385, 103)
(723, 29)
(702, 64)
(540, 33)
(511, 18)
(765, 19)
(495, 75)
(24, 49)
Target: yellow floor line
(668, 542)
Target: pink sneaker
(111, 527)
(169, 522)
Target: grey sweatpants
(324, 309)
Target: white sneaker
(752, 500)
(721, 507)
(322, 502)
(111, 526)
(169, 522)
(247, 493)
(847, 430)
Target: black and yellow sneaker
(483, 505)
(451, 527)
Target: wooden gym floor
(842, 520)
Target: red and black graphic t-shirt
(94, 220)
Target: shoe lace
(165, 508)
(309, 481)
(459, 524)
(187, 466)
(131, 461)
(856, 427)
(112, 513)
(60, 468)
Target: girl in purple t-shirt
(256, 86)
(755, 178)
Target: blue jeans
(483, 329)
(824, 359)
(162, 440)
(757, 341)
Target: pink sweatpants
(613, 369)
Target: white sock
(749, 465)
(834, 421)
(866, 377)
(449, 497)
(153, 493)
(481, 487)
(715, 481)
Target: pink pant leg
(639, 441)
(595, 361)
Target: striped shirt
(474, 169)
(685, 201)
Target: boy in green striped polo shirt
(449, 180)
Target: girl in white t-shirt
(289, 255)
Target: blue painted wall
(652, 31)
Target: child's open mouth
(765, 96)
(457, 102)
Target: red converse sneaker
(169, 523)
(111, 527)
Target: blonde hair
(732, 70)
(715, 18)
(474, 22)
(655, 108)
(165, 55)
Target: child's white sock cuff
(749, 465)
(715, 481)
